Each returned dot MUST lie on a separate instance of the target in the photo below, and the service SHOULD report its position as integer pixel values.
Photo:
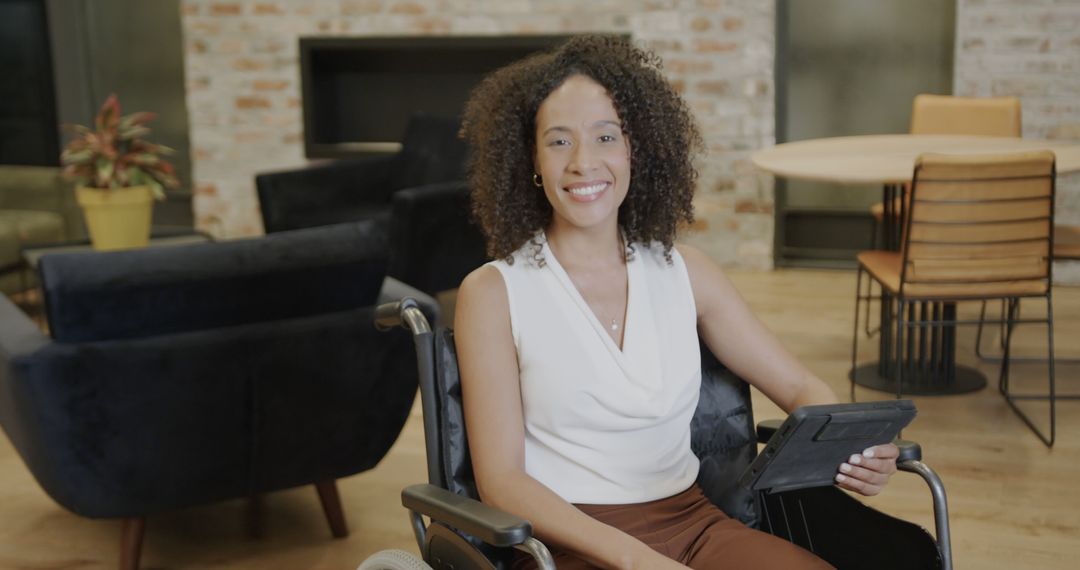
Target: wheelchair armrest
(487, 523)
(909, 451)
(396, 290)
(910, 460)
(766, 429)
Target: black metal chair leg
(900, 324)
(869, 297)
(979, 332)
(1001, 332)
(1050, 364)
(855, 333)
(1003, 378)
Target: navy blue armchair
(184, 375)
(417, 196)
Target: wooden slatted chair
(949, 115)
(944, 115)
(979, 228)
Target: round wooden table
(889, 160)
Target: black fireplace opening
(358, 93)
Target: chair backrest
(96, 296)
(980, 226)
(722, 432)
(948, 115)
(431, 151)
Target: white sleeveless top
(603, 425)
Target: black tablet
(809, 447)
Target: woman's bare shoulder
(482, 296)
(483, 281)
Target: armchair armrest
(487, 523)
(18, 334)
(293, 199)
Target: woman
(578, 347)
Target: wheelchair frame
(443, 546)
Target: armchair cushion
(140, 293)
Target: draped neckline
(638, 358)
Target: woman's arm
(743, 344)
(491, 393)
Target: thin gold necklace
(614, 320)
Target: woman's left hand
(868, 473)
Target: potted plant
(117, 175)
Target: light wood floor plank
(1014, 503)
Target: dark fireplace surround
(358, 93)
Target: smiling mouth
(586, 191)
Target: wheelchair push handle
(405, 313)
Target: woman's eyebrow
(558, 128)
(597, 124)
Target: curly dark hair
(499, 124)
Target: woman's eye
(607, 138)
(559, 142)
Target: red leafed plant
(114, 155)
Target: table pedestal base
(966, 379)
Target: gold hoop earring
(537, 181)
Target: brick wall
(244, 95)
(1030, 49)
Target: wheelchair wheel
(393, 560)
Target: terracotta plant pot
(117, 218)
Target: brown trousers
(688, 528)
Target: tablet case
(811, 444)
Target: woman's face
(582, 154)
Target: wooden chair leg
(131, 542)
(331, 504)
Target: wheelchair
(465, 534)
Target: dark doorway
(28, 129)
(849, 67)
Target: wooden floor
(1015, 504)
